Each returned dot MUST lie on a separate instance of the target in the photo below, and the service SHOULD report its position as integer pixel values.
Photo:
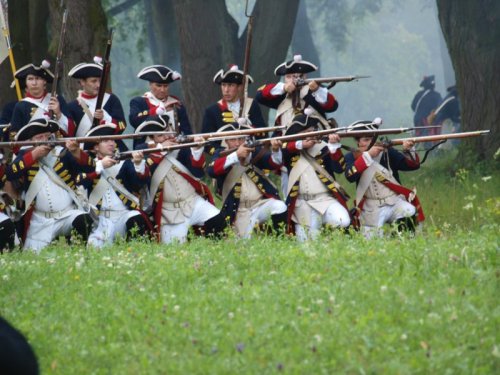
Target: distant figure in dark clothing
(16, 355)
(424, 102)
(447, 114)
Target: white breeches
(110, 228)
(247, 219)
(335, 215)
(42, 230)
(202, 211)
(388, 214)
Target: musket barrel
(440, 137)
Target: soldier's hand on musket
(55, 107)
(308, 143)
(376, 150)
(313, 86)
(276, 145)
(408, 145)
(99, 114)
(41, 151)
(198, 140)
(243, 151)
(137, 157)
(109, 161)
(290, 87)
(333, 138)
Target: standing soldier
(314, 197)
(38, 102)
(424, 103)
(83, 109)
(227, 110)
(380, 198)
(114, 189)
(180, 198)
(157, 101)
(46, 176)
(289, 98)
(249, 197)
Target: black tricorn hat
(157, 123)
(35, 127)
(107, 128)
(297, 65)
(232, 75)
(87, 70)
(365, 125)
(41, 71)
(158, 74)
(303, 121)
(427, 81)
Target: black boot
(83, 225)
(7, 235)
(215, 226)
(279, 223)
(136, 227)
(406, 224)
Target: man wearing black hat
(290, 99)
(38, 102)
(249, 197)
(157, 100)
(228, 109)
(380, 198)
(424, 102)
(46, 175)
(113, 187)
(82, 110)
(314, 197)
(447, 114)
(179, 197)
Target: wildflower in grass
(421, 292)
(230, 315)
(495, 352)
(383, 288)
(5, 277)
(486, 178)
(468, 206)
(404, 337)
(177, 308)
(318, 338)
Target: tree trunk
(86, 33)
(472, 33)
(203, 53)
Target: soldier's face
(159, 90)
(290, 78)
(363, 143)
(105, 148)
(90, 86)
(230, 91)
(41, 137)
(234, 143)
(160, 138)
(35, 85)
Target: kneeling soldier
(46, 175)
(180, 198)
(380, 197)
(314, 198)
(114, 189)
(249, 197)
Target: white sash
(367, 176)
(41, 104)
(88, 107)
(232, 177)
(420, 100)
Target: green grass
(342, 304)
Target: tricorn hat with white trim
(297, 65)
(365, 125)
(303, 121)
(41, 71)
(159, 74)
(232, 75)
(157, 123)
(107, 128)
(35, 127)
(87, 70)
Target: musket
(52, 141)
(6, 34)
(127, 154)
(58, 66)
(246, 63)
(106, 66)
(331, 80)
(434, 138)
(231, 133)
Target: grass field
(341, 304)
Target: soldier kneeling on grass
(46, 176)
(249, 196)
(113, 188)
(380, 197)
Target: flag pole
(5, 30)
